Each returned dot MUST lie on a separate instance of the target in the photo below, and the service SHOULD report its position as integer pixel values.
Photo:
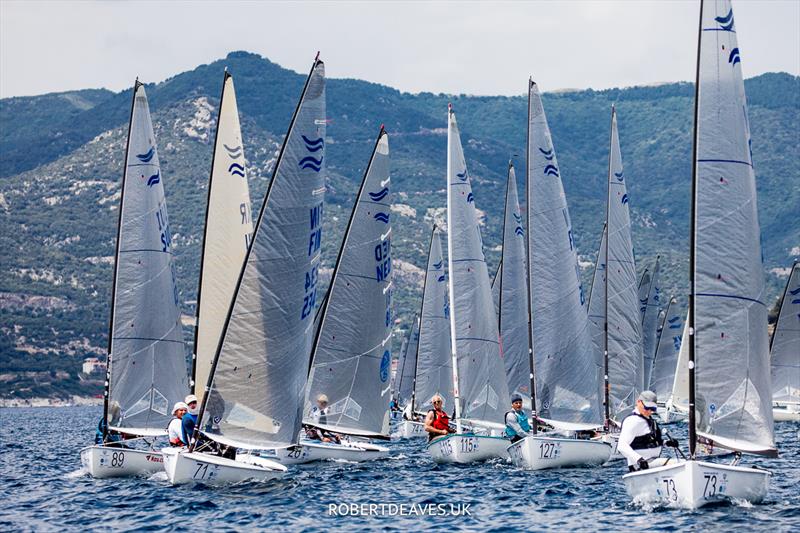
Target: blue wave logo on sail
(463, 176)
(385, 363)
(676, 342)
(438, 265)
(795, 292)
(147, 156)
(619, 175)
(551, 170)
(470, 197)
(726, 22)
(313, 145)
(310, 162)
(625, 199)
(234, 153)
(518, 230)
(440, 278)
(378, 196)
(548, 154)
(155, 178)
(734, 57)
(236, 170)
(383, 217)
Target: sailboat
(668, 345)
(565, 384)
(728, 366)
(351, 355)
(433, 373)
(649, 295)
(146, 361)
(479, 383)
(228, 229)
(254, 393)
(785, 353)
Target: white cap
(189, 399)
(179, 405)
(322, 398)
(648, 398)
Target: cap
(516, 398)
(179, 405)
(189, 399)
(322, 398)
(648, 398)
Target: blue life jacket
(187, 427)
(112, 436)
(522, 420)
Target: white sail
(352, 354)
(567, 374)
(666, 356)
(496, 283)
(513, 316)
(227, 235)
(597, 298)
(785, 348)
(650, 306)
(732, 376)
(481, 382)
(408, 365)
(624, 335)
(262, 362)
(680, 385)
(434, 368)
(147, 361)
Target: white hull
(467, 448)
(104, 461)
(667, 416)
(538, 453)
(612, 439)
(693, 484)
(786, 412)
(308, 451)
(408, 429)
(184, 467)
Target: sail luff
(652, 308)
(785, 343)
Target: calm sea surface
(43, 488)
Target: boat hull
(408, 429)
(786, 412)
(467, 448)
(308, 451)
(693, 484)
(106, 461)
(535, 452)
(185, 467)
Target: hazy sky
(452, 47)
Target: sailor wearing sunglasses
(640, 437)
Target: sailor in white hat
(174, 430)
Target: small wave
(158, 476)
(76, 473)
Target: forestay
(261, 366)
(668, 346)
(624, 334)
(567, 375)
(482, 387)
(732, 403)
(513, 317)
(650, 306)
(147, 361)
(785, 348)
(434, 368)
(352, 353)
(227, 235)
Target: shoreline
(73, 401)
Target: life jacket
(522, 420)
(440, 421)
(648, 440)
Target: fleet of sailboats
(286, 376)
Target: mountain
(61, 159)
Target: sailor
(640, 437)
(319, 416)
(189, 420)
(436, 421)
(174, 430)
(106, 436)
(517, 425)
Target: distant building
(92, 365)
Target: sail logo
(625, 199)
(470, 197)
(147, 156)
(518, 230)
(311, 162)
(440, 278)
(236, 170)
(619, 175)
(463, 176)
(548, 154)
(385, 364)
(155, 178)
(676, 342)
(383, 217)
(380, 195)
(551, 170)
(233, 153)
(438, 265)
(734, 57)
(313, 145)
(726, 22)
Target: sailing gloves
(642, 463)
(671, 443)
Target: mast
(416, 363)
(205, 235)
(107, 384)
(534, 416)
(606, 383)
(692, 241)
(451, 297)
(215, 361)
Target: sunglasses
(650, 408)
(437, 401)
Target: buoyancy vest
(440, 421)
(522, 420)
(648, 440)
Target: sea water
(42, 487)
